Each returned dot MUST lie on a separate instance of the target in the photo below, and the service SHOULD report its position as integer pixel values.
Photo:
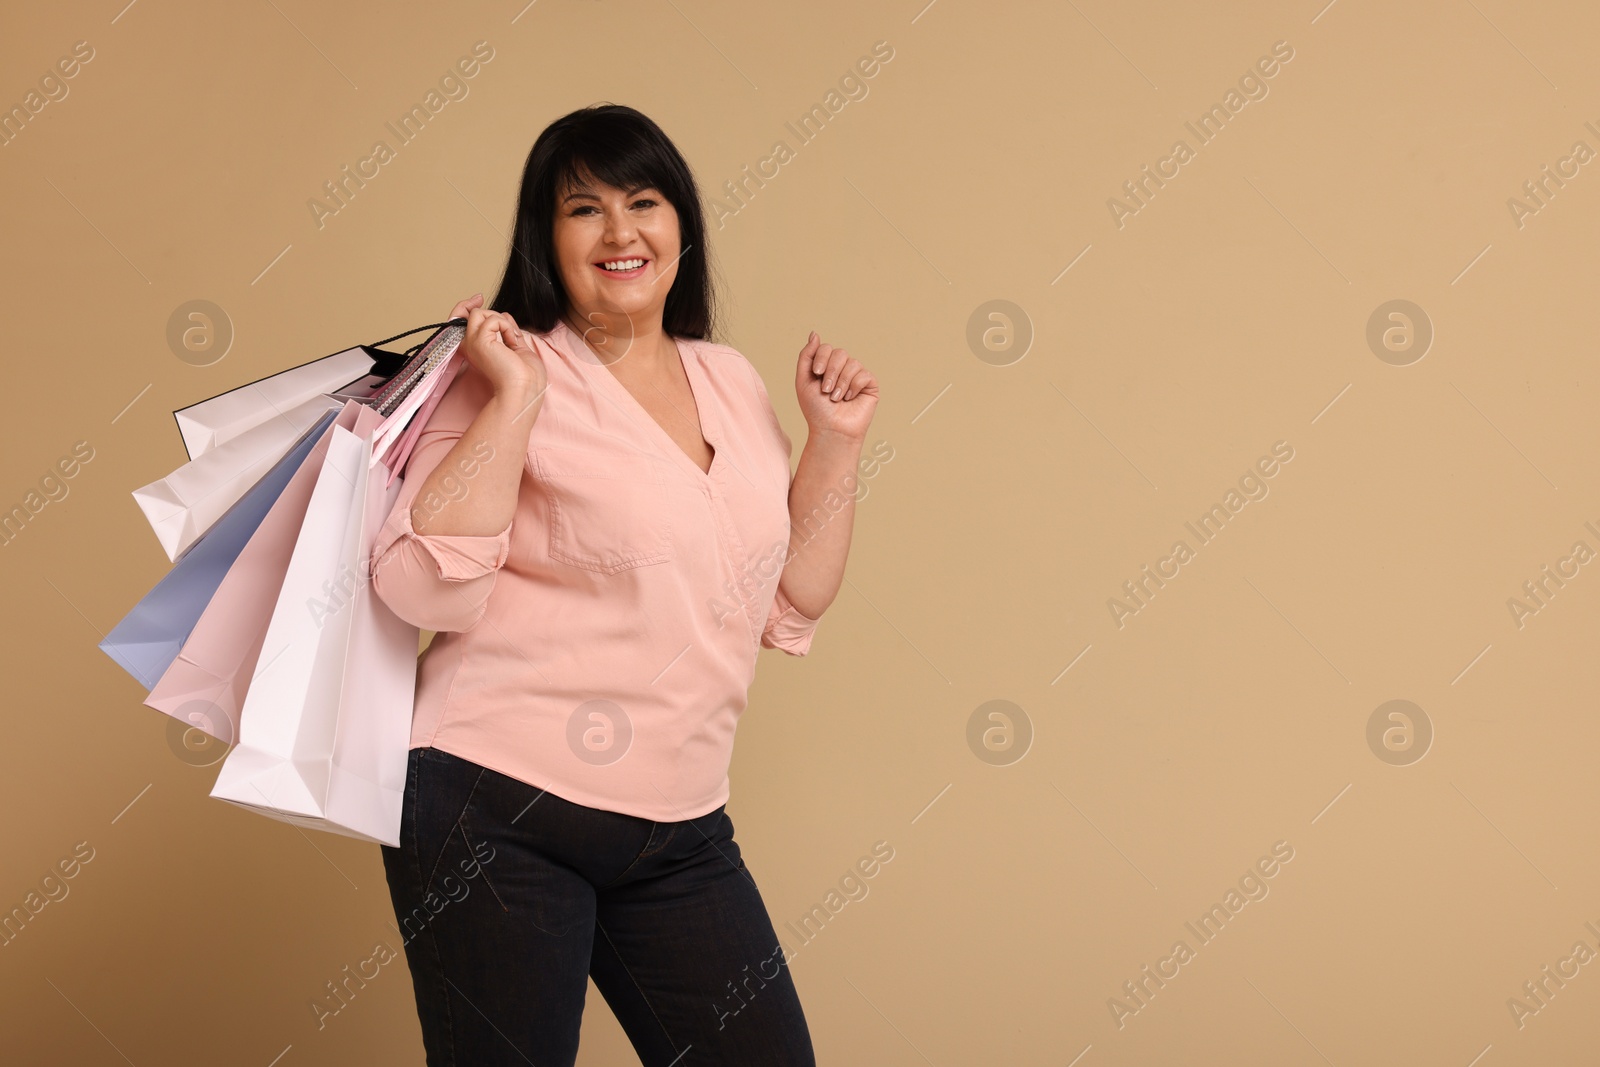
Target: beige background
(1228, 314)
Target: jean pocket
(497, 843)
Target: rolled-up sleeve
(786, 628)
(438, 582)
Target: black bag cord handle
(389, 364)
(419, 329)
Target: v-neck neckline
(698, 389)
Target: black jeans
(509, 898)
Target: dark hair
(623, 148)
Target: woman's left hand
(836, 393)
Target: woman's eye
(644, 200)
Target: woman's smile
(623, 267)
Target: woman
(599, 523)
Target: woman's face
(597, 225)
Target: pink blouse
(602, 646)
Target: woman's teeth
(623, 264)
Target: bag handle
(388, 364)
(419, 329)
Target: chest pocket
(608, 512)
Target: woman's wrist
(832, 441)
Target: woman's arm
(473, 489)
(822, 511)
(438, 582)
(837, 396)
(510, 389)
(435, 560)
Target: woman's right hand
(498, 348)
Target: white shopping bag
(326, 724)
(184, 505)
(216, 421)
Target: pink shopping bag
(325, 729)
(205, 686)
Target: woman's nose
(619, 228)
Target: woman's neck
(646, 350)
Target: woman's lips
(623, 273)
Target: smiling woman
(576, 710)
(565, 184)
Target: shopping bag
(356, 373)
(234, 437)
(148, 638)
(325, 728)
(182, 506)
(209, 423)
(205, 685)
(422, 360)
(397, 455)
(417, 387)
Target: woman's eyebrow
(593, 196)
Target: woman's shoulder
(553, 339)
(714, 348)
(470, 390)
(726, 361)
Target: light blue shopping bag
(148, 638)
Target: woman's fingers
(843, 379)
(489, 326)
(811, 344)
(802, 368)
(834, 372)
(499, 349)
(505, 328)
(480, 329)
(846, 380)
(837, 359)
(862, 380)
(463, 306)
(511, 327)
